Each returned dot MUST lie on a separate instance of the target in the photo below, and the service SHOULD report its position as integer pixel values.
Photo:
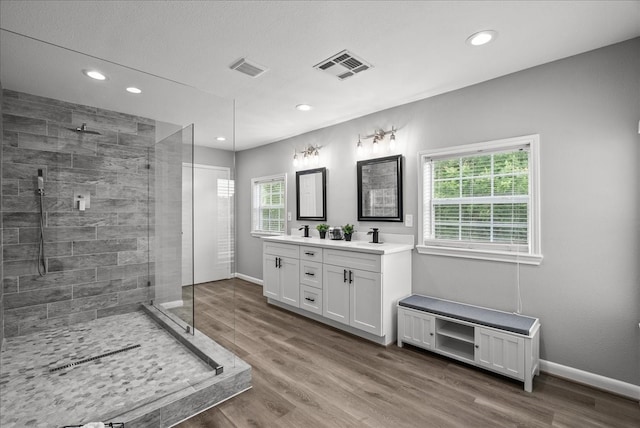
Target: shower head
(83, 130)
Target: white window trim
(259, 233)
(531, 256)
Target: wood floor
(309, 375)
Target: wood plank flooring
(309, 375)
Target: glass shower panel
(174, 226)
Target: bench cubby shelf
(502, 342)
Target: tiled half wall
(100, 260)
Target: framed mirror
(311, 194)
(380, 189)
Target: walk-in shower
(95, 249)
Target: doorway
(206, 223)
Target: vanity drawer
(313, 254)
(283, 250)
(311, 273)
(353, 260)
(311, 299)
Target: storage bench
(502, 342)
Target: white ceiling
(179, 53)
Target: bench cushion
(488, 317)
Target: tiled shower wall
(99, 259)
(1, 259)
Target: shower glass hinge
(148, 166)
(148, 283)
(219, 370)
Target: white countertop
(360, 245)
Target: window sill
(468, 253)
(261, 234)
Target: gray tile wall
(1, 245)
(99, 260)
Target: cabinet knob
(477, 346)
(430, 334)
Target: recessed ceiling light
(94, 74)
(303, 107)
(221, 138)
(134, 90)
(482, 37)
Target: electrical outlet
(289, 216)
(408, 220)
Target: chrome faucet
(306, 230)
(374, 232)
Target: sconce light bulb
(392, 142)
(305, 159)
(375, 145)
(295, 160)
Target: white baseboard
(597, 381)
(248, 278)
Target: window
(268, 205)
(481, 201)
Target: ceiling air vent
(343, 65)
(247, 67)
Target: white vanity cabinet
(353, 296)
(281, 273)
(354, 286)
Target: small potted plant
(322, 229)
(348, 231)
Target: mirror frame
(395, 161)
(323, 172)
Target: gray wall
(98, 259)
(586, 108)
(208, 156)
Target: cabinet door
(500, 352)
(270, 277)
(289, 281)
(416, 328)
(365, 312)
(335, 293)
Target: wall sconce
(378, 139)
(310, 155)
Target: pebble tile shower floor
(31, 396)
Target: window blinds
(480, 197)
